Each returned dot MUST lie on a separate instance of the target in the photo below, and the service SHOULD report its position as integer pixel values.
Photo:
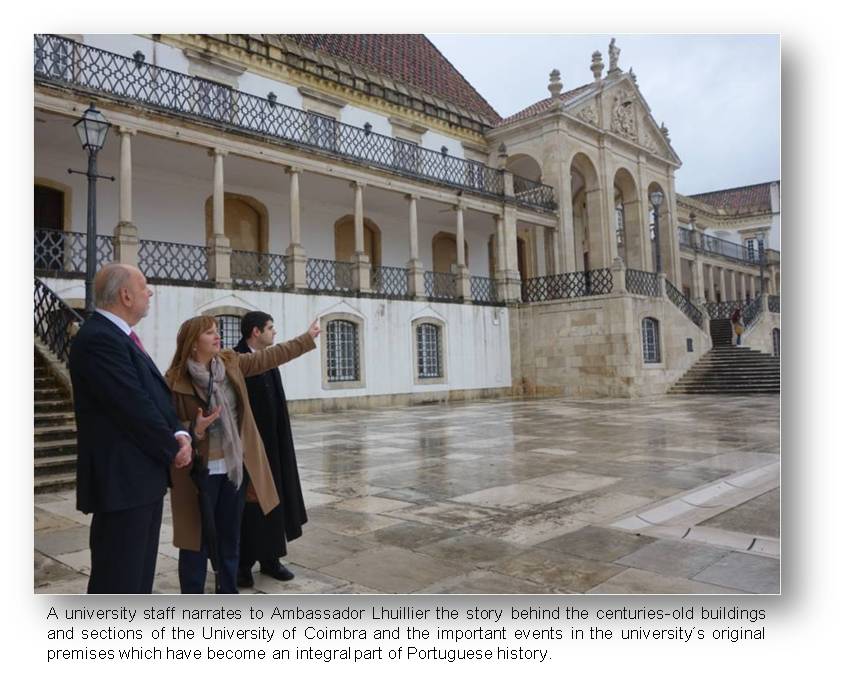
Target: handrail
(56, 323)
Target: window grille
(229, 327)
(651, 343)
(429, 351)
(342, 351)
(621, 225)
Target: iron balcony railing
(64, 252)
(698, 242)
(64, 62)
(723, 310)
(55, 322)
(389, 281)
(643, 283)
(483, 290)
(569, 285)
(174, 263)
(325, 275)
(752, 310)
(690, 310)
(440, 286)
(258, 270)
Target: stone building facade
(449, 252)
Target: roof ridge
(726, 190)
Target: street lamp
(761, 260)
(656, 197)
(91, 128)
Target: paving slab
(747, 572)
(600, 544)
(673, 558)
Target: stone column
(220, 252)
(511, 291)
(709, 283)
(361, 262)
(772, 281)
(733, 285)
(618, 274)
(742, 286)
(723, 294)
(416, 284)
(698, 279)
(566, 230)
(126, 232)
(462, 273)
(556, 252)
(295, 255)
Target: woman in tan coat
(210, 398)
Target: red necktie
(133, 336)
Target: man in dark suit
(127, 435)
(263, 538)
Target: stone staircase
(55, 432)
(727, 369)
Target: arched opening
(524, 166)
(587, 215)
(660, 243)
(628, 220)
(245, 222)
(345, 240)
(445, 252)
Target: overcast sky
(718, 95)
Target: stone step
(52, 405)
(65, 463)
(746, 391)
(60, 431)
(52, 448)
(54, 418)
(54, 482)
(49, 393)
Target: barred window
(621, 224)
(429, 351)
(229, 327)
(342, 354)
(651, 341)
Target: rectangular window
(342, 351)
(651, 345)
(428, 351)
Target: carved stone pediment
(624, 109)
(588, 114)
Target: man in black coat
(263, 538)
(127, 435)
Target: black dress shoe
(245, 578)
(277, 571)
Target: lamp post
(91, 128)
(656, 198)
(761, 260)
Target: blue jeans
(228, 505)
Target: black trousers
(124, 545)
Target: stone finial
(502, 155)
(632, 76)
(665, 132)
(555, 86)
(596, 65)
(613, 57)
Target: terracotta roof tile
(410, 58)
(754, 198)
(544, 104)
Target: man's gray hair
(107, 284)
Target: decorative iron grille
(643, 283)
(533, 193)
(429, 351)
(329, 276)
(774, 304)
(258, 270)
(483, 290)
(62, 61)
(723, 310)
(63, 253)
(569, 285)
(686, 306)
(55, 322)
(229, 327)
(163, 262)
(342, 351)
(440, 286)
(390, 281)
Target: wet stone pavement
(649, 496)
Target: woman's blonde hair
(186, 339)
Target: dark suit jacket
(125, 422)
